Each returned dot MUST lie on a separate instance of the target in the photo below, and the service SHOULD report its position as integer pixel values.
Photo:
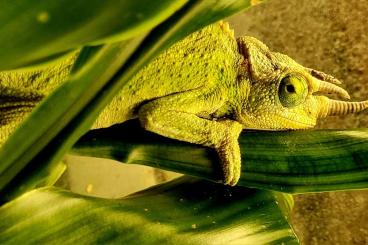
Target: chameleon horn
(326, 87)
(323, 76)
(335, 107)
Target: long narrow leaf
(57, 111)
(83, 97)
(185, 211)
(32, 31)
(295, 162)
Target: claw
(237, 172)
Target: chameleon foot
(229, 153)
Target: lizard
(205, 89)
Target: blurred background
(328, 35)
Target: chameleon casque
(205, 89)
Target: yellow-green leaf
(185, 211)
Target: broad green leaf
(69, 112)
(36, 31)
(185, 211)
(294, 161)
(56, 112)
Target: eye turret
(293, 90)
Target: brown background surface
(331, 36)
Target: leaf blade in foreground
(65, 25)
(184, 211)
(294, 162)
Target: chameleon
(205, 89)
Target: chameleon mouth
(269, 124)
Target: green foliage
(116, 39)
(294, 162)
(184, 211)
(37, 31)
(73, 107)
(31, 157)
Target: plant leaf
(64, 25)
(184, 211)
(56, 112)
(294, 161)
(57, 123)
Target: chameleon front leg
(176, 116)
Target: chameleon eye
(293, 90)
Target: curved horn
(330, 107)
(332, 88)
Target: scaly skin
(205, 89)
(21, 91)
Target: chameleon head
(281, 94)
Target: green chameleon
(205, 89)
